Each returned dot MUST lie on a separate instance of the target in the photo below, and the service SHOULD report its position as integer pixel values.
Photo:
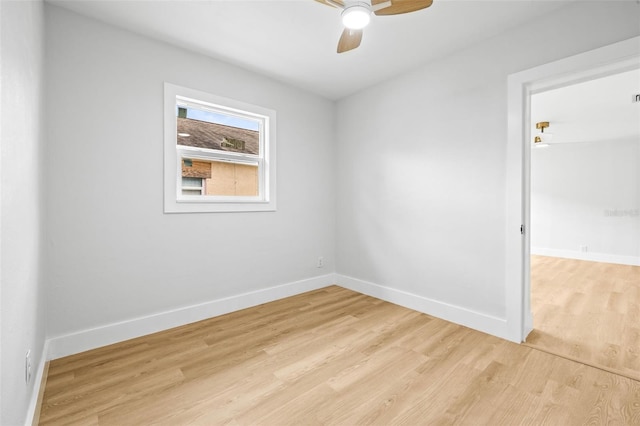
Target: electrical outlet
(27, 367)
(583, 249)
(320, 263)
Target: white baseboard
(37, 382)
(456, 314)
(60, 346)
(593, 257)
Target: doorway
(585, 222)
(608, 60)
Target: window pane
(191, 182)
(191, 192)
(216, 130)
(222, 178)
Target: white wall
(22, 312)
(112, 253)
(587, 194)
(421, 163)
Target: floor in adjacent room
(331, 356)
(588, 312)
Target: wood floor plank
(587, 311)
(334, 357)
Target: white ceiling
(295, 40)
(593, 111)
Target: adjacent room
(310, 212)
(585, 184)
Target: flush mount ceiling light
(357, 14)
(542, 138)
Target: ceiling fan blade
(401, 6)
(332, 3)
(350, 39)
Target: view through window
(219, 153)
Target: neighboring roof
(217, 136)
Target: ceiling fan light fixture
(356, 17)
(541, 140)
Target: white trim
(107, 334)
(592, 257)
(610, 59)
(456, 314)
(37, 382)
(60, 346)
(174, 202)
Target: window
(192, 186)
(219, 154)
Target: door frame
(607, 60)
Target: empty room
(318, 212)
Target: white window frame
(174, 201)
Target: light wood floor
(331, 356)
(587, 311)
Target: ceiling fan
(357, 14)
